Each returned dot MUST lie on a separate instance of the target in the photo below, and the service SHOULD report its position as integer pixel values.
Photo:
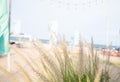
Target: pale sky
(85, 16)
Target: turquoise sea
(46, 41)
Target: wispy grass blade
(9, 75)
(24, 73)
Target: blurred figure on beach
(75, 40)
(52, 27)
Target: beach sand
(28, 50)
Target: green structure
(4, 28)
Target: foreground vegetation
(58, 64)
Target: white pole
(8, 56)
(107, 23)
(107, 18)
